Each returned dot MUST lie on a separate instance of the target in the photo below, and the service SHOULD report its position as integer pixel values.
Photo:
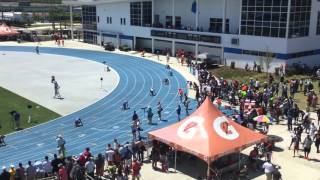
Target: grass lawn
(242, 75)
(10, 101)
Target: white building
(235, 30)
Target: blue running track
(104, 120)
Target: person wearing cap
(31, 171)
(5, 175)
(62, 175)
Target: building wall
(163, 8)
(233, 14)
(209, 9)
(117, 11)
(242, 60)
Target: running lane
(104, 120)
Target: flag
(194, 7)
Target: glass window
(147, 13)
(135, 13)
(299, 18)
(264, 17)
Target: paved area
(29, 75)
(292, 168)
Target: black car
(109, 47)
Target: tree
(56, 14)
(268, 59)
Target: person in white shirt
(47, 166)
(109, 156)
(90, 167)
(268, 169)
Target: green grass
(10, 101)
(244, 76)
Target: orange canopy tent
(5, 30)
(208, 134)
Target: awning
(5, 30)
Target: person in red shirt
(86, 153)
(62, 175)
(82, 160)
(136, 167)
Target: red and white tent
(208, 134)
(5, 30)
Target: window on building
(89, 17)
(123, 21)
(216, 25)
(299, 21)
(135, 13)
(109, 20)
(168, 21)
(178, 22)
(264, 18)
(318, 24)
(147, 13)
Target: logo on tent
(191, 127)
(224, 129)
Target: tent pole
(208, 171)
(175, 160)
(239, 160)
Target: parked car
(109, 47)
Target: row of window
(280, 56)
(141, 13)
(264, 2)
(299, 21)
(264, 18)
(186, 36)
(89, 17)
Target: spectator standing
(90, 167)
(62, 174)
(54, 163)
(136, 167)
(268, 169)
(5, 175)
(99, 162)
(47, 167)
(31, 171)
(20, 173)
(78, 172)
(12, 172)
(307, 146)
(109, 155)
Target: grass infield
(10, 101)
